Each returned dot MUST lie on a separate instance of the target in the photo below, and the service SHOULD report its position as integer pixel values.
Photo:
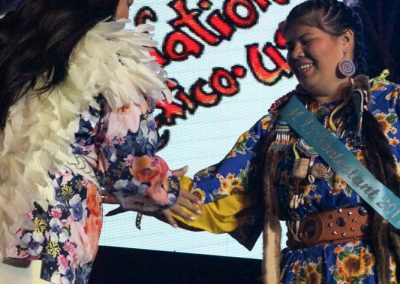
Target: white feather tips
(39, 130)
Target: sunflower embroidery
(205, 172)
(266, 123)
(393, 141)
(386, 121)
(229, 184)
(338, 185)
(393, 95)
(352, 264)
(307, 272)
(240, 146)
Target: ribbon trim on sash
(342, 161)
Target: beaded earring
(347, 68)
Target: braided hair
(335, 18)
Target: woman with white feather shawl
(77, 92)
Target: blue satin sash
(342, 161)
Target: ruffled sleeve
(123, 141)
(121, 146)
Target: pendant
(311, 179)
(282, 137)
(300, 167)
(320, 171)
(306, 149)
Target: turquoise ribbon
(342, 161)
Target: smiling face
(314, 55)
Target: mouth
(302, 69)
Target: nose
(296, 52)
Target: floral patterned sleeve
(230, 176)
(230, 199)
(385, 106)
(121, 147)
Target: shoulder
(116, 61)
(384, 97)
(379, 89)
(279, 103)
(387, 91)
(268, 121)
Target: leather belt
(339, 225)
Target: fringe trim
(110, 61)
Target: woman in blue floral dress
(296, 183)
(77, 95)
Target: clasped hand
(185, 200)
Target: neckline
(315, 104)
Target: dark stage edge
(133, 266)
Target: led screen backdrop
(227, 60)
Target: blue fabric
(351, 262)
(377, 195)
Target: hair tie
(352, 3)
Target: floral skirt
(66, 234)
(332, 263)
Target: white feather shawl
(40, 129)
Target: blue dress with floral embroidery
(350, 262)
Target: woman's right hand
(186, 200)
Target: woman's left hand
(185, 200)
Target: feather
(109, 60)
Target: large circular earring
(347, 68)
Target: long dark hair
(6, 5)
(36, 41)
(335, 17)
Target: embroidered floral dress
(101, 113)
(67, 233)
(350, 262)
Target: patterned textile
(66, 233)
(103, 113)
(331, 263)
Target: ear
(348, 42)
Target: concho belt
(335, 226)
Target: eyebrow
(304, 35)
(301, 37)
